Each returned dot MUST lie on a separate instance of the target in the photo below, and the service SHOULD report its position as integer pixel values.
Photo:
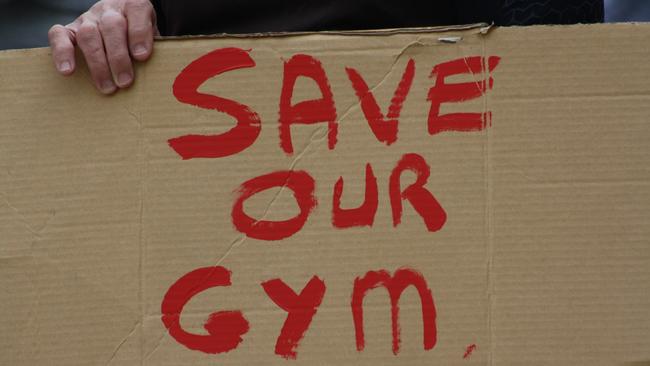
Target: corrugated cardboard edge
(480, 27)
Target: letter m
(395, 285)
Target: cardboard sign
(459, 196)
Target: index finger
(140, 17)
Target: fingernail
(124, 79)
(139, 50)
(108, 87)
(65, 66)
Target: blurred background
(24, 23)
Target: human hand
(110, 34)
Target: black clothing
(183, 17)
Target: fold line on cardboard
(141, 233)
(417, 43)
(122, 342)
(238, 241)
(488, 201)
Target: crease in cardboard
(488, 200)
(141, 233)
(32, 324)
(414, 44)
(580, 97)
(122, 343)
(135, 117)
(238, 241)
(488, 231)
(159, 343)
(537, 182)
(14, 257)
(241, 238)
(23, 219)
(143, 163)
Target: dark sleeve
(528, 12)
(160, 16)
(189, 17)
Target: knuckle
(139, 8)
(54, 35)
(112, 20)
(54, 31)
(87, 17)
(87, 32)
(97, 6)
(93, 51)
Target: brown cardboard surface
(544, 258)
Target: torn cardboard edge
(482, 28)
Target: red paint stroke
(300, 308)
(302, 185)
(225, 328)
(395, 285)
(384, 127)
(186, 91)
(308, 111)
(442, 92)
(424, 203)
(363, 215)
(471, 348)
